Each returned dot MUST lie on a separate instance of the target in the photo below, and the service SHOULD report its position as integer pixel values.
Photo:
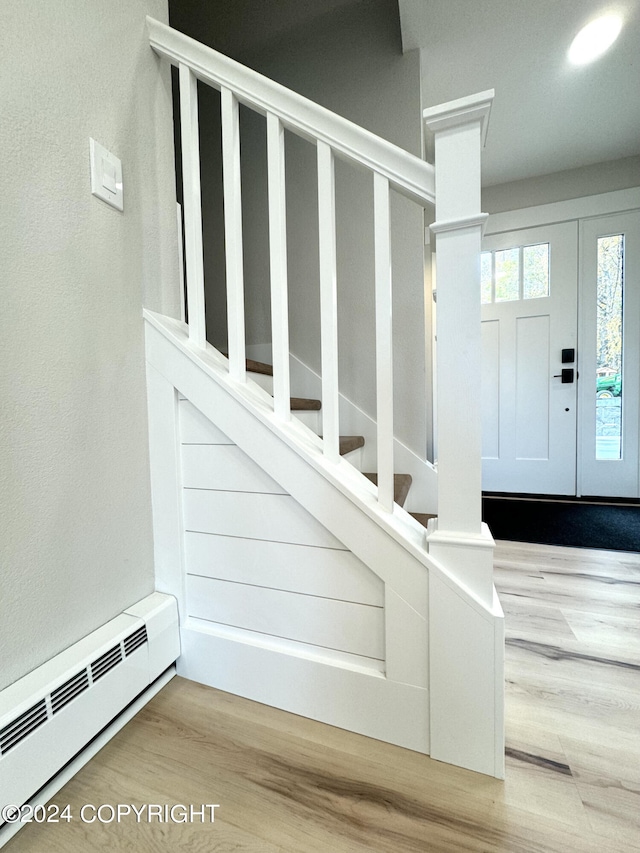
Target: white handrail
(407, 173)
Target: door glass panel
(507, 275)
(485, 278)
(535, 271)
(609, 282)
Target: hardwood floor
(284, 783)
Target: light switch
(106, 175)
(109, 175)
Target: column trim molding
(444, 225)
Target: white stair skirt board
(51, 714)
(294, 588)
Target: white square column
(458, 538)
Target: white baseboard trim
(364, 702)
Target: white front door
(529, 376)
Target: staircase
(301, 581)
(348, 443)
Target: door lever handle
(566, 375)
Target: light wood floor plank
(290, 785)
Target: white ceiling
(547, 115)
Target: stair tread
(298, 404)
(348, 443)
(259, 367)
(401, 486)
(256, 366)
(302, 404)
(422, 517)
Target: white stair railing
(390, 167)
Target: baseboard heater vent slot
(18, 729)
(50, 715)
(135, 640)
(105, 662)
(62, 695)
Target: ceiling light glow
(592, 40)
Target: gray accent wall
(561, 186)
(76, 542)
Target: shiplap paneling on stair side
(256, 561)
(381, 699)
(195, 428)
(339, 625)
(326, 572)
(254, 515)
(224, 468)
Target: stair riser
(355, 458)
(311, 419)
(263, 381)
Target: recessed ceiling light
(594, 39)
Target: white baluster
(183, 307)
(192, 205)
(278, 266)
(328, 301)
(384, 345)
(233, 234)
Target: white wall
(347, 57)
(76, 539)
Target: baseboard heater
(52, 713)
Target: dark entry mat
(553, 522)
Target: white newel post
(466, 647)
(458, 537)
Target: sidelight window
(609, 323)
